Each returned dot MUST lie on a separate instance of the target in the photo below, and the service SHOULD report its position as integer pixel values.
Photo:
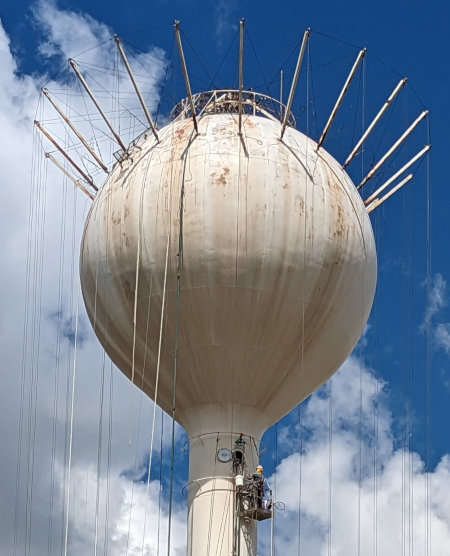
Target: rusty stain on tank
(337, 191)
(340, 222)
(129, 293)
(300, 202)
(221, 180)
(179, 134)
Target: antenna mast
(393, 148)
(82, 80)
(368, 131)
(135, 85)
(294, 81)
(241, 71)
(74, 129)
(185, 73)
(66, 156)
(360, 56)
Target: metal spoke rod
(135, 85)
(66, 156)
(97, 105)
(393, 148)
(397, 174)
(176, 26)
(383, 109)
(294, 81)
(241, 70)
(75, 130)
(360, 56)
(281, 95)
(377, 202)
(69, 175)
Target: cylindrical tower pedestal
(216, 525)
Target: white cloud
(67, 33)
(36, 197)
(437, 298)
(442, 336)
(225, 24)
(381, 504)
(354, 409)
(131, 512)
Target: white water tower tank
(277, 282)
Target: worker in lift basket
(261, 487)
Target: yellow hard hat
(259, 469)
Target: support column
(215, 527)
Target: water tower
(228, 267)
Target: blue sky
(388, 370)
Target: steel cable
(177, 324)
(72, 406)
(158, 363)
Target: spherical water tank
(278, 269)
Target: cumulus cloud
(66, 33)
(225, 21)
(438, 296)
(442, 336)
(41, 313)
(351, 487)
(136, 523)
(376, 487)
(71, 35)
(438, 300)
